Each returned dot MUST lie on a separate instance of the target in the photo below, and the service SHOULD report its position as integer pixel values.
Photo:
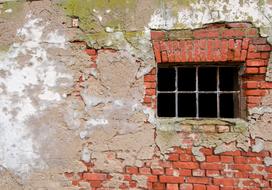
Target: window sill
(207, 125)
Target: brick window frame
(217, 43)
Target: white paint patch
(99, 18)
(232, 10)
(86, 156)
(109, 29)
(202, 11)
(94, 122)
(162, 18)
(29, 84)
(8, 11)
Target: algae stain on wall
(90, 12)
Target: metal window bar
(197, 92)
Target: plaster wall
(72, 99)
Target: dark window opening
(198, 91)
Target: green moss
(86, 11)
(261, 3)
(16, 7)
(4, 48)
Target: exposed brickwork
(235, 170)
(222, 43)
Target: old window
(198, 91)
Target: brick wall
(226, 43)
(236, 170)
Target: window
(198, 91)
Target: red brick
(157, 51)
(186, 165)
(210, 50)
(159, 186)
(253, 99)
(256, 154)
(241, 174)
(252, 84)
(237, 51)
(132, 184)
(245, 43)
(131, 170)
(243, 55)
(259, 41)
(157, 171)
(171, 171)
(252, 55)
(228, 33)
(173, 157)
(144, 171)
(172, 187)
(226, 159)
(255, 92)
(224, 181)
(178, 56)
(91, 51)
(212, 187)
(265, 55)
(152, 178)
(213, 159)
(185, 157)
(171, 179)
(212, 173)
(150, 78)
(204, 33)
(165, 164)
(258, 63)
(266, 85)
(96, 184)
(252, 32)
(199, 187)
(206, 151)
(150, 92)
(239, 25)
(198, 180)
(171, 56)
(94, 176)
(164, 57)
(198, 173)
(150, 85)
(147, 99)
(211, 166)
(185, 172)
(242, 167)
(252, 70)
(186, 187)
(262, 70)
(157, 35)
(263, 47)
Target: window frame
(239, 110)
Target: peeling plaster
(18, 100)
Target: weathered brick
(172, 187)
(157, 35)
(199, 187)
(94, 176)
(132, 170)
(157, 171)
(224, 181)
(186, 165)
(211, 166)
(186, 187)
(144, 171)
(171, 179)
(213, 158)
(198, 180)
